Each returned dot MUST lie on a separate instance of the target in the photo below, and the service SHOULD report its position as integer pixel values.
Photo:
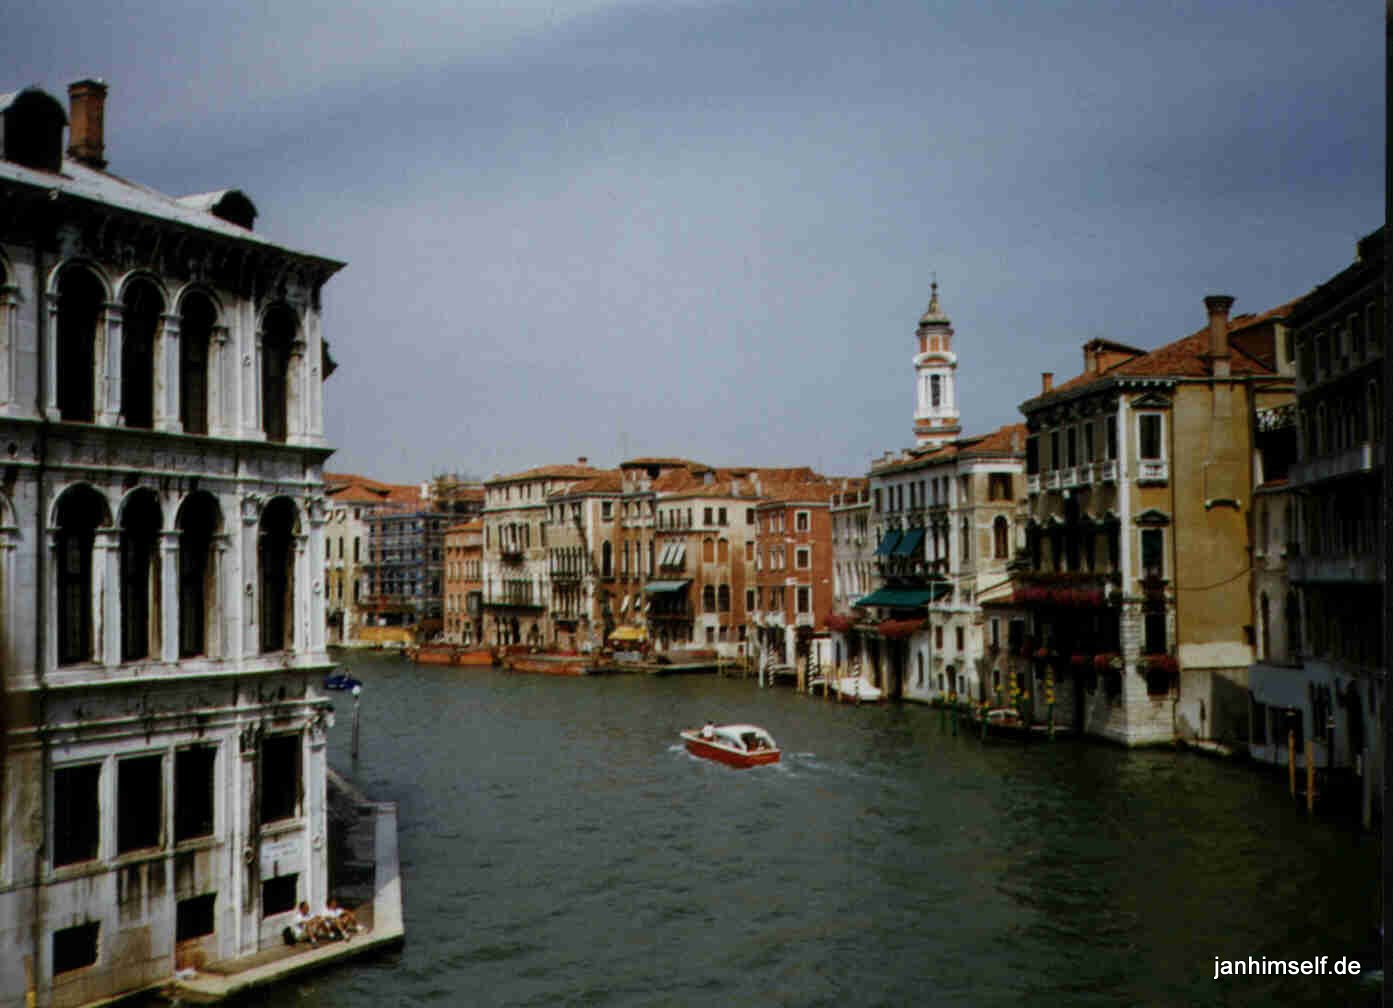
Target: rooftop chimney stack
(1046, 382)
(86, 129)
(582, 460)
(1218, 306)
(1090, 357)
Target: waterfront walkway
(369, 834)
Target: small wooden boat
(857, 691)
(1001, 721)
(449, 654)
(737, 745)
(550, 664)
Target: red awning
(838, 622)
(895, 629)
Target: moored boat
(1001, 721)
(550, 664)
(737, 745)
(449, 654)
(857, 691)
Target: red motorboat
(737, 745)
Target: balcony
(670, 613)
(1069, 477)
(1361, 458)
(510, 554)
(1153, 471)
(1052, 480)
(1086, 474)
(1106, 472)
(1032, 484)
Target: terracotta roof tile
(1186, 358)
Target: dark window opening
(80, 300)
(139, 341)
(195, 339)
(193, 792)
(1155, 633)
(140, 576)
(193, 918)
(1032, 455)
(278, 895)
(276, 570)
(276, 340)
(1110, 429)
(280, 777)
(1152, 553)
(198, 523)
(75, 947)
(1149, 440)
(76, 814)
(1258, 731)
(139, 805)
(80, 512)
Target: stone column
(253, 423)
(167, 374)
(300, 590)
(247, 590)
(50, 376)
(221, 401)
(9, 332)
(295, 394)
(169, 596)
(223, 639)
(106, 403)
(106, 597)
(317, 597)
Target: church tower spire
(936, 419)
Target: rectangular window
(711, 635)
(139, 808)
(606, 510)
(802, 558)
(1153, 553)
(280, 777)
(721, 516)
(803, 600)
(1088, 449)
(958, 634)
(76, 813)
(801, 521)
(193, 918)
(1110, 430)
(75, 947)
(1055, 456)
(938, 637)
(1149, 436)
(749, 516)
(996, 632)
(1032, 455)
(749, 599)
(193, 792)
(706, 516)
(1072, 442)
(278, 895)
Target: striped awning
(656, 587)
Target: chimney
(1046, 382)
(87, 112)
(1090, 357)
(582, 460)
(1218, 306)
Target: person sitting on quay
(304, 927)
(338, 921)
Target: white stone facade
(162, 619)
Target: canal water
(560, 848)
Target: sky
(613, 228)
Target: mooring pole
(357, 692)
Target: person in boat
(708, 731)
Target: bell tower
(936, 420)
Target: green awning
(911, 542)
(655, 587)
(888, 542)
(904, 598)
